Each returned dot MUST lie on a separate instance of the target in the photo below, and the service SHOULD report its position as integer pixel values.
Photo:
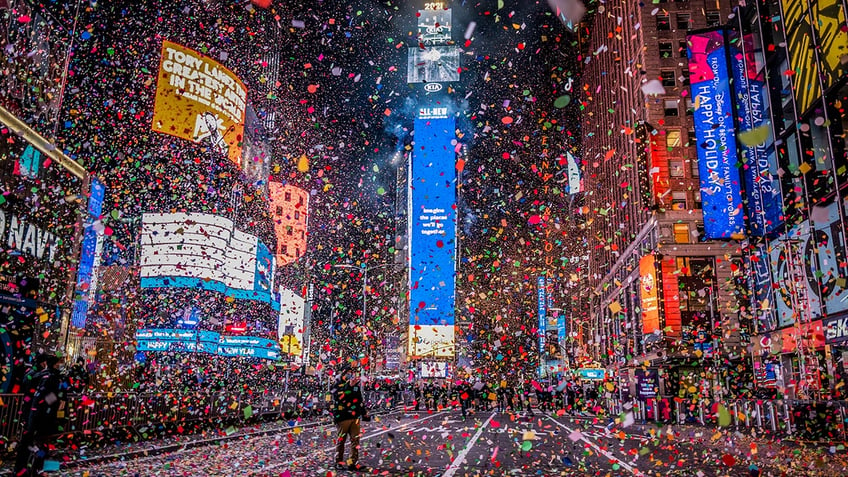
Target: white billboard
(194, 250)
(291, 321)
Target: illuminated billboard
(210, 342)
(194, 250)
(197, 98)
(820, 29)
(649, 294)
(38, 224)
(435, 369)
(433, 64)
(90, 256)
(765, 204)
(541, 312)
(432, 235)
(291, 322)
(434, 26)
(721, 197)
(289, 206)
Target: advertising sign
(835, 329)
(647, 383)
(291, 319)
(715, 136)
(433, 64)
(541, 303)
(649, 294)
(820, 29)
(434, 26)
(562, 330)
(197, 98)
(89, 258)
(760, 284)
(37, 224)
(194, 250)
(191, 341)
(808, 266)
(435, 369)
(592, 374)
(432, 249)
(765, 204)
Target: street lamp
(365, 269)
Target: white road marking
(460, 458)
(606, 454)
(333, 447)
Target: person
(78, 376)
(348, 410)
(40, 417)
(465, 392)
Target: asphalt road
(487, 443)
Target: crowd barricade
(806, 420)
(11, 412)
(103, 411)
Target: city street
(488, 443)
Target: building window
(300, 201)
(690, 107)
(672, 138)
(284, 249)
(683, 21)
(678, 200)
(681, 52)
(684, 78)
(667, 77)
(713, 19)
(666, 49)
(288, 196)
(279, 210)
(296, 215)
(681, 233)
(663, 22)
(671, 107)
(676, 168)
(289, 230)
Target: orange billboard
(198, 99)
(649, 294)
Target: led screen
(715, 136)
(191, 341)
(86, 273)
(432, 238)
(193, 250)
(197, 99)
(764, 205)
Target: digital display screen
(432, 238)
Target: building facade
(798, 292)
(664, 314)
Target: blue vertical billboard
(542, 304)
(89, 256)
(432, 235)
(764, 201)
(721, 196)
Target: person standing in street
(40, 418)
(348, 410)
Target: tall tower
(432, 65)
